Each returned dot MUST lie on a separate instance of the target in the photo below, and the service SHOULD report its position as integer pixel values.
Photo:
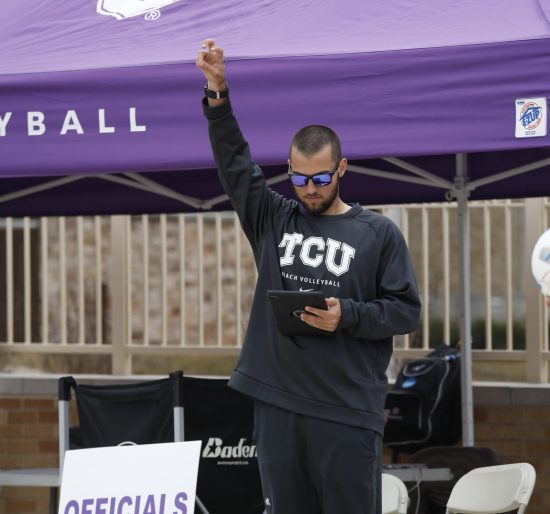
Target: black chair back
(229, 478)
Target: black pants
(313, 466)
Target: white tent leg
(462, 193)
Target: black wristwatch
(217, 95)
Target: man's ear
(343, 167)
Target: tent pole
(462, 193)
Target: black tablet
(287, 307)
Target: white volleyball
(540, 263)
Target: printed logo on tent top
(121, 9)
(531, 114)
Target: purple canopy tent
(100, 102)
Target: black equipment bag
(424, 404)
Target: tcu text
(314, 250)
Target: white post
(121, 359)
(461, 181)
(179, 432)
(63, 414)
(537, 367)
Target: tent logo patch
(531, 115)
(122, 9)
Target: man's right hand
(210, 62)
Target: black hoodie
(359, 257)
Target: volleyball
(540, 263)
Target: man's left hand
(324, 319)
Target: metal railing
(174, 283)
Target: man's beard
(324, 205)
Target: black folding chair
(112, 415)
(229, 478)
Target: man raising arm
(318, 399)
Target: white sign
(121, 9)
(531, 116)
(144, 479)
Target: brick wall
(28, 439)
(515, 421)
(519, 434)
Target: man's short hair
(312, 139)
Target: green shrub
(498, 331)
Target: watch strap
(217, 95)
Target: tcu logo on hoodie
(121, 9)
(315, 250)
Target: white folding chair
(395, 498)
(493, 489)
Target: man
(319, 400)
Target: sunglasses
(323, 178)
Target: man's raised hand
(210, 62)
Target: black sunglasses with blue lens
(320, 179)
